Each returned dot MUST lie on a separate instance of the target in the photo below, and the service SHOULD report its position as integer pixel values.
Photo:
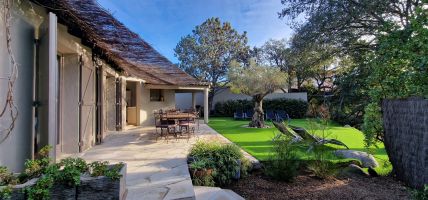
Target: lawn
(257, 142)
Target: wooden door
(69, 102)
(87, 105)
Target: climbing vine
(8, 109)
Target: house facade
(81, 74)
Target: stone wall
(406, 139)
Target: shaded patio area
(156, 169)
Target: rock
(367, 160)
(347, 126)
(355, 169)
(372, 172)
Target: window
(156, 95)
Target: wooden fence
(405, 123)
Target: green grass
(258, 142)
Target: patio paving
(156, 169)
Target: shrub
(6, 177)
(35, 168)
(202, 172)
(322, 168)
(246, 166)
(223, 156)
(5, 192)
(6, 180)
(420, 194)
(72, 168)
(67, 171)
(204, 181)
(294, 108)
(99, 168)
(283, 164)
(227, 108)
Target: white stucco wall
(17, 147)
(147, 107)
(184, 100)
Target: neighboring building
(183, 100)
(82, 73)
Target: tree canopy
(381, 45)
(256, 81)
(351, 25)
(207, 52)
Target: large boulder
(367, 160)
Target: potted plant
(11, 187)
(71, 178)
(104, 181)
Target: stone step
(215, 193)
(233, 194)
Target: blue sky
(163, 22)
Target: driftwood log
(317, 140)
(300, 133)
(284, 130)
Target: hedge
(294, 108)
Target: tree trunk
(258, 119)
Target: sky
(162, 23)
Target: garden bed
(306, 186)
(99, 187)
(70, 178)
(258, 142)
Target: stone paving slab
(215, 193)
(157, 169)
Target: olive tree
(256, 81)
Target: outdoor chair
(249, 114)
(238, 115)
(188, 125)
(197, 114)
(281, 116)
(162, 123)
(270, 115)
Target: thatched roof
(115, 43)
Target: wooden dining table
(179, 115)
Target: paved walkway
(156, 169)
